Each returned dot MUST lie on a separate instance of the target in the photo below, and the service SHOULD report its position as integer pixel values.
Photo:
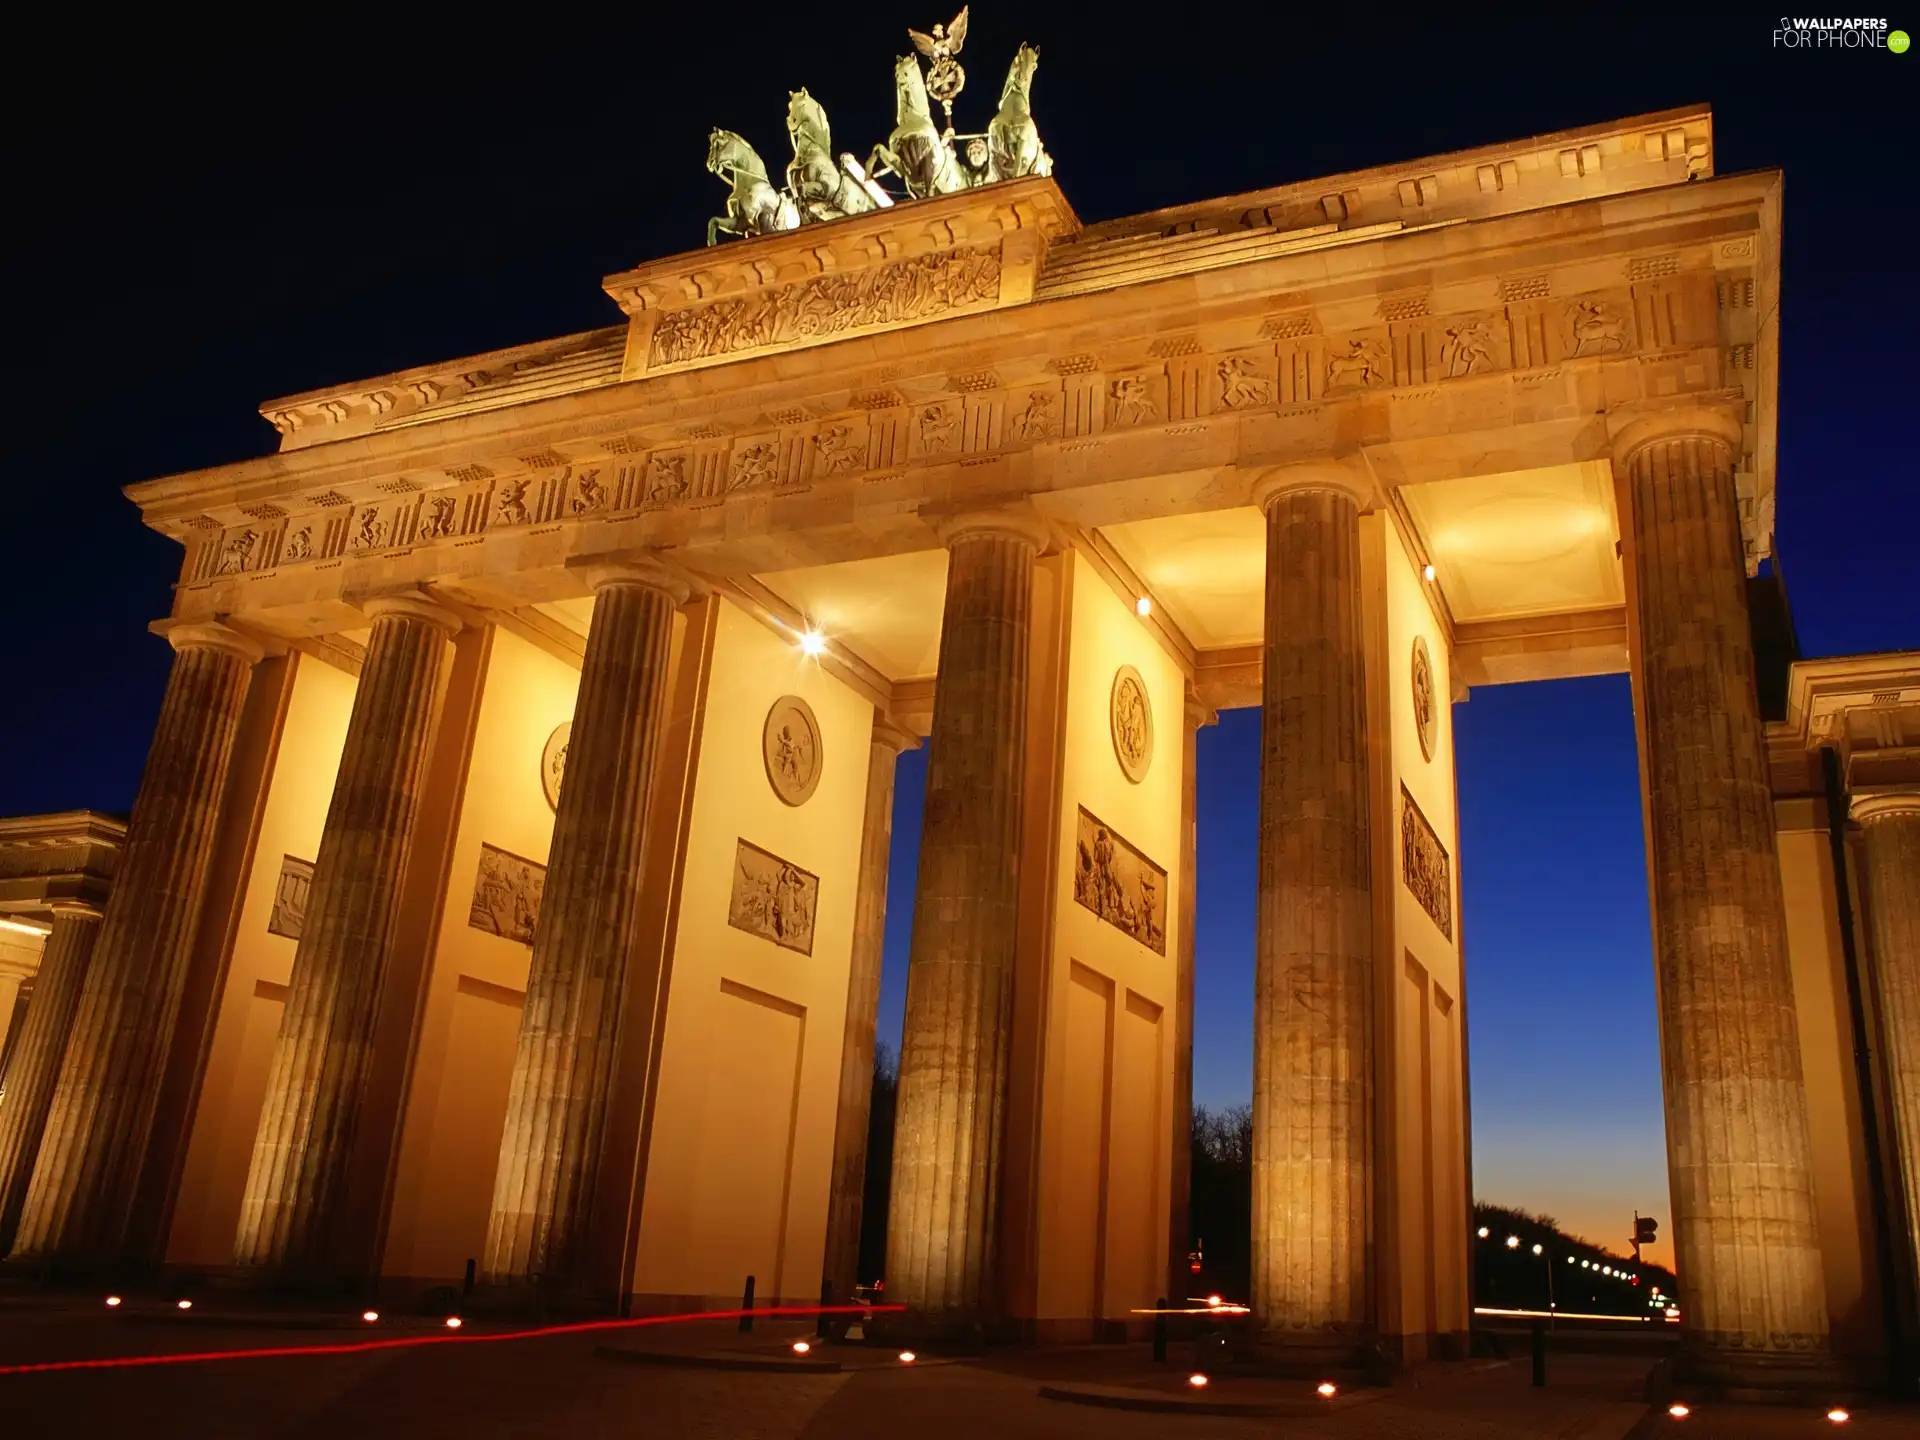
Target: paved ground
(561, 1385)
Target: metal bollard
(1539, 1352)
(746, 1304)
(826, 1299)
(1160, 1331)
(466, 1284)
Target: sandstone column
(1891, 826)
(1180, 1206)
(1313, 958)
(81, 1194)
(944, 1207)
(863, 1005)
(34, 1065)
(544, 1186)
(1752, 1291)
(305, 1138)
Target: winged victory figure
(945, 78)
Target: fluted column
(304, 1142)
(81, 1195)
(1180, 1200)
(34, 1065)
(1752, 1287)
(544, 1186)
(943, 1211)
(863, 1006)
(1890, 825)
(1313, 940)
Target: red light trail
(408, 1342)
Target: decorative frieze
(1424, 864)
(773, 898)
(289, 913)
(1119, 884)
(506, 894)
(919, 287)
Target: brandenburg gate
(508, 877)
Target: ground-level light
(801, 1347)
(1678, 1411)
(453, 1322)
(1196, 1380)
(906, 1357)
(1215, 1301)
(184, 1304)
(1838, 1416)
(112, 1301)
(369, 1316)
(1326, 1389)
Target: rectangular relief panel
(1424, 865)
(1119, 884)
(506, 894)
(773, 898)
(290, 897)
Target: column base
(943, 1332)
(1703, 1373)
(1344, 1358)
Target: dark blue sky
(200, 219)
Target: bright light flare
(370, 1316)
(1197, 1380)
(1484, 1232)
(907, 1357)
(1678, 1411)
(812, 642)
(801, 1347)
(1838, 1416)
(184, 1304)
(1427, 573)
(113, 1302)
(1215, 1301)
(1143, 607)
(1513, 1242)
(1539, 1249)
(1326, 1389)
(454, 1322)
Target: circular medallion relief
(1426, 708)
(553, 762)
(1132, 717)
(790, 742)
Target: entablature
(1435, 353)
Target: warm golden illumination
(812, 642)
(453, 1322)
(26, 927)
(185, 1304)
(1513, 1242)
(1539, 1249)
(370, 1316)
(112, 1300)
(906, 1357)
(1427, 572)
(1484, 1232)
(1678, 1411)
(1838, 1416)
(1327, 1389)
(1196, 1380)
(1143, 607)
(1215, 1300)
(801, 1347)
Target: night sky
(200, 220)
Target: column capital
(1885, 805)
(1199, 715)
(413, 605)
(1010, 522)
(1635, 433)
(75, 910)
(641, 571)
(211, 635)
(1329, 476)
(889, 732)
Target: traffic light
(1646, 1230)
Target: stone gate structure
(509, 873)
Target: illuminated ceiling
(886, 611)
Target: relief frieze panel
(1119, 884)
(773, 898)
(1425, 867)
(816, 309)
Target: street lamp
(1483, 1232)
(1513, 1242)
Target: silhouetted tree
(1222, 1203)
(873, 1205)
